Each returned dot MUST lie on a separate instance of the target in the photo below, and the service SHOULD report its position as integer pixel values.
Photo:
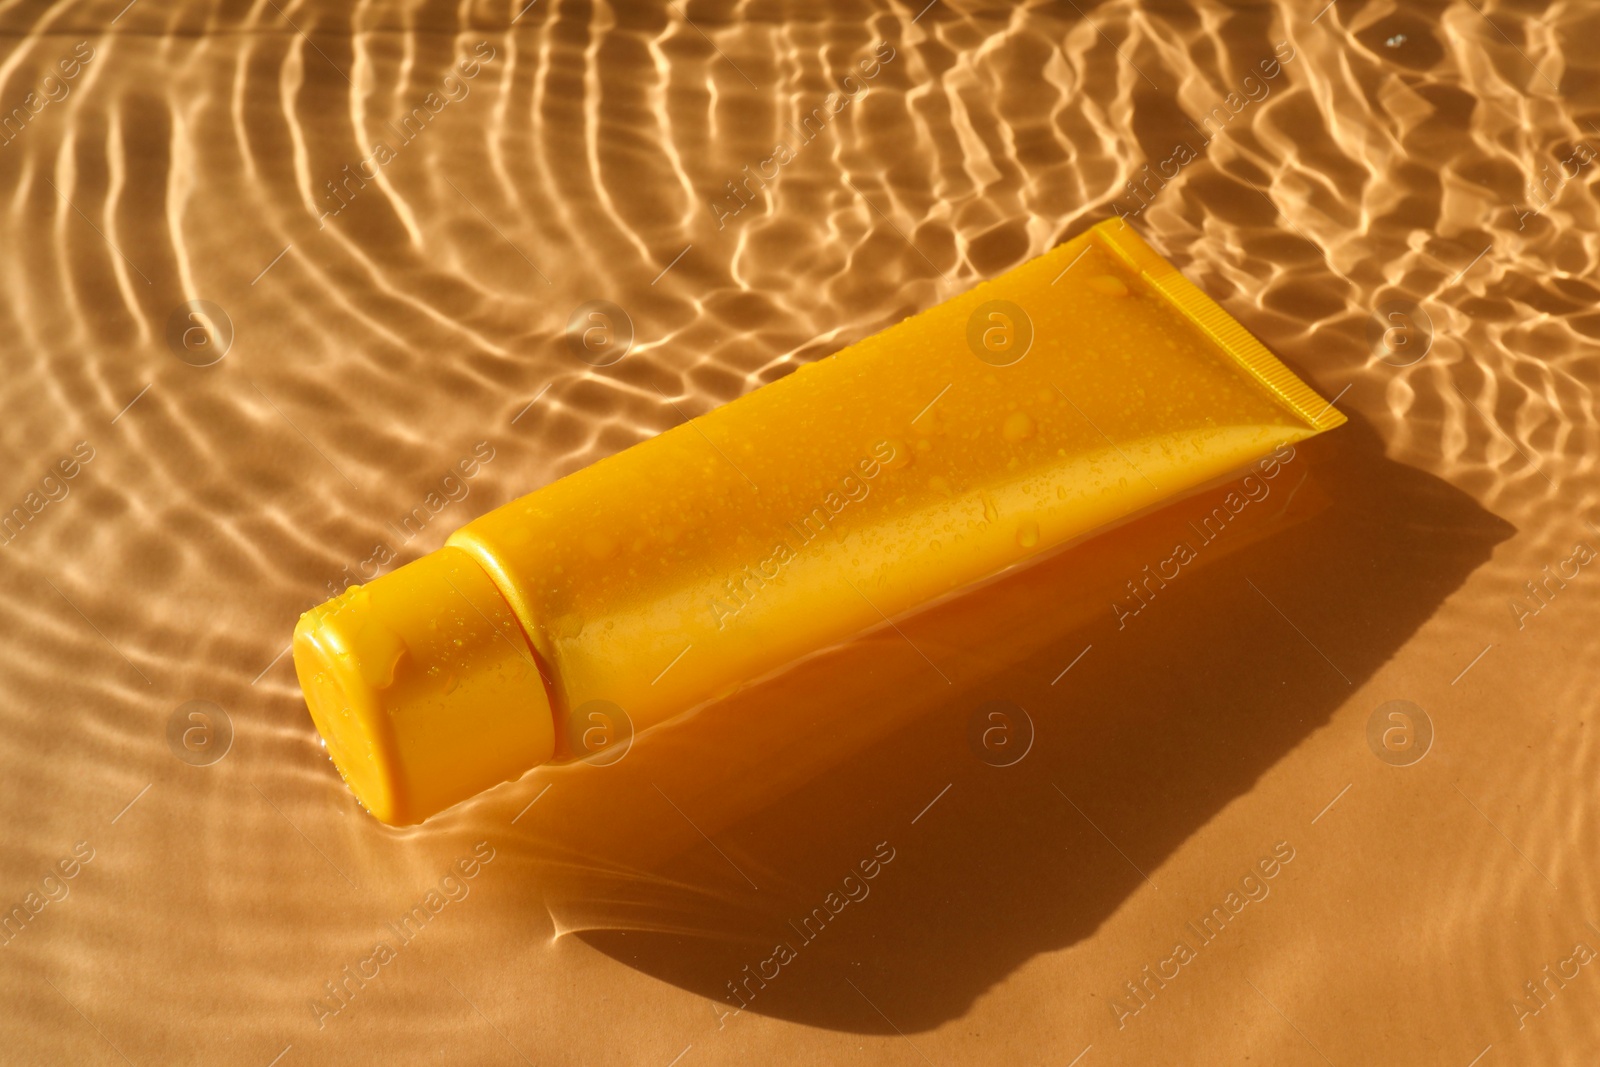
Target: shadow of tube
(728, 852)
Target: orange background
(1431, 154)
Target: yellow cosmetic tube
(1072, 392)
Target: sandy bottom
(1223, 842)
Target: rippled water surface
(389, 213)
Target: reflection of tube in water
(1077, 389)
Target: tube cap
(424, 687)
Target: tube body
(1077, 389)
